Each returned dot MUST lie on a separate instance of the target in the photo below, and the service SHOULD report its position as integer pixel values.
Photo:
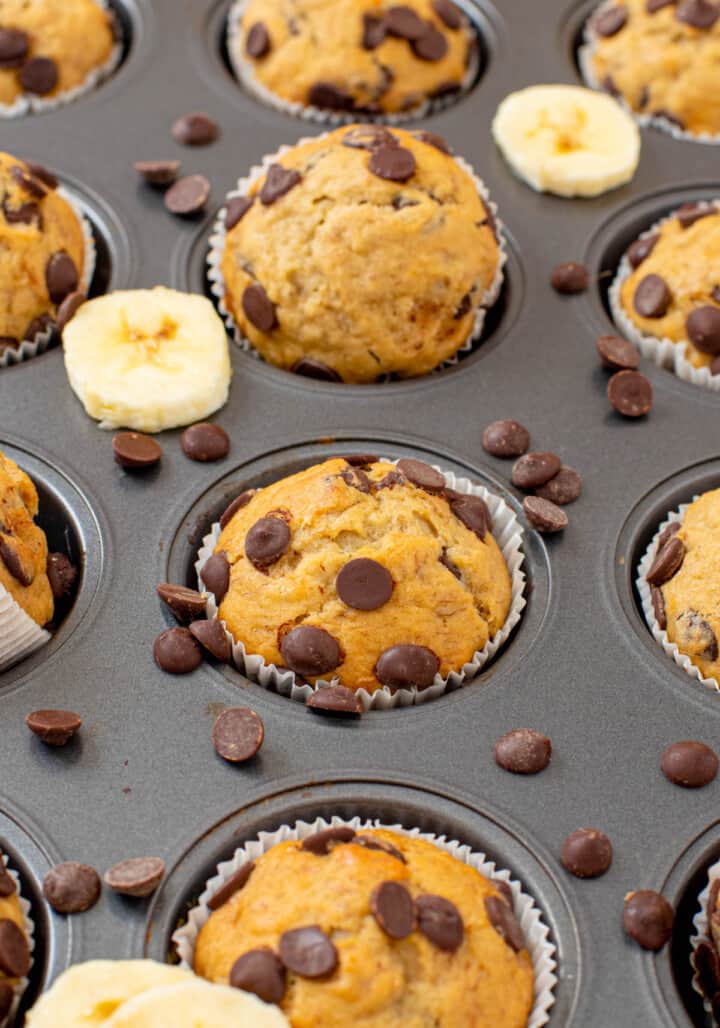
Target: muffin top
(41, 250)
(674, 289)
(357, 55)
(663, 58)
(374, 928)
(369, 573)
(48, 47)
(23, 547)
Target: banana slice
(567, 140)
(148, 359)
(197, 1004)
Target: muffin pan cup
(702, 933)
(29, 928)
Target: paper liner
(244, 71)
(29, 926)
(507, 533)
(217, 248)
(644, 590)
(29, 104)
(666, 353)
(19, 634)
(701, 931)
(537, 934)
(585, 55)
(32, 347)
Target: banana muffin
(41, 250)
(374, 928)
(14, 943)
(370, 572)
(673, 291)
(49, 47)
(360, 254)
(367, 56)
(706, 957)
(23, 547)
(662, 58)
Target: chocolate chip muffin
(706, 957)
(374, 928)
(367, 56)
(49, 47)
(23, 547)
(363, 570)
(662, 58)
(41, 250)
(14, 943)
(673, 291)
(360, 254)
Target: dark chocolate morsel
(407, 665)
(260, 972)
(310, 651)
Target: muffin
(706, 951)
(672, 287)
(41, 250)
(369, 572)
(15, 957)
(23, 547)
(49, 47)
(662, 58)
(374, 928)
(368, 56)
(360, 254)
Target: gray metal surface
(143, 777)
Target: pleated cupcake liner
(701, 933)
(19, 634)
(29, 926)
(537, 934)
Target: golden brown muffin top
(23, 547)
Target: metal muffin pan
(142, 776)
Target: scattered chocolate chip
(260, 972)
(61, 276)
(62, 575)
(237, 504)
(544, 515)
(374, 32)
(609, 22)
(14, 950)
(158, 173)
(39, 75)
(394, 163)
(9, 555)
(54, 727)
(188, 196)
(506, 438)
(368, 137)
(439, 921)
(335, 700)
(403, 22)
(630, 393)
(238, 734)
(393, 908)
(310, 651)
(216, 576)
(431, 46)
(135, 452)
(213, 638)
(407, 665)
(421, 474)
(523, 751)
(691, 764)
(652, 297)
(667, 563)
(14, 47)
(564, 488)
(71, 887)
(370, 842)
(698, 13)
(320, 843)
(703, 329)
(707, 965)
(205, 442)
(27, 181)
(237, 881)
(176, 652)
(658, 603)
(617, 354)
(257, 41)
(570, 278)
(195, 130)
(259, 308)
(278, 182)
(7, 998)
(648, 918)
(308, 952)
(235, 210)
(503, 920)
(448, 13)
(308, 367)
(535, 469)
(472, 511)
(7, 882)
(330, 97)
(363, 584)
(185, 604)
(138, 876)
(69, 308)
(267, 541)
(587, 853)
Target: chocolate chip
(617, 353)
(363, 584)
(27, 181)
(390, 480)
(54, 727)
(69, 308)
(308, 367)
(648, 918)
(505, 891)
(394, 163)
(310, 651)
(71, 887)
(308, 952)
(195, 130)
(544, 515)
(7, 882)
(523, 751)
(8, 343)
(630, 393)
(38, 325)
(564, 488)
(506, 438)
(473, 513)
(39, 75)
(431, 46)
(7, 998)
(176, 652)
(158, 173)
(703, 329)
(235, 210)
(260, 972)
(138, 876)
(14, 950)
(238, 734)
(278, 182)
(185, 604)
(689, 213)
(716, 294)
(14, 47)
(667, 563)
(609, 85)
(134, 451)
(10, 556)
(330, 97)
(188, 196)
(320, 843)
(403, 22)
(205, 442)
(656, 5)
(421, 474)
(216, 576)
(535, 469)
(360, 460)
(587, 853)
(237, 504)
(25, 214)
(698, 13)
(61, 276)
(570, 278)
(335, 700)
(707, 966)
(257, 41)
(259, 308)
(407, 665)
(610, 21)
(696, 635)
(674, 119)
(237, 881)
(370, 842)
(439, 921)
(434, 140)
(368, 137)
(213, 638)
(373, 32)
(658, 604)
(267, 541)
(392, 907)
(691, 764)
(652, 297)
(448, 13)
(62, 575)
(505, 923)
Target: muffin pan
(142, 776)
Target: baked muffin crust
(23, 547)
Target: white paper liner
(701, 931)
(585, 55)
(29, 926)
(32, 347)
(19, 634)
(244, 71)
(29, 104)
(217, 249)
(537, 935)
(508, 535)
(666, 353)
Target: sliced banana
(197, 1004)
(567, 140)
(148, 359)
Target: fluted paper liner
(219, 234)
(537, 934)
(702, 931)
(30, 934)
(19, 634)
(660, 635)
(508, 535)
